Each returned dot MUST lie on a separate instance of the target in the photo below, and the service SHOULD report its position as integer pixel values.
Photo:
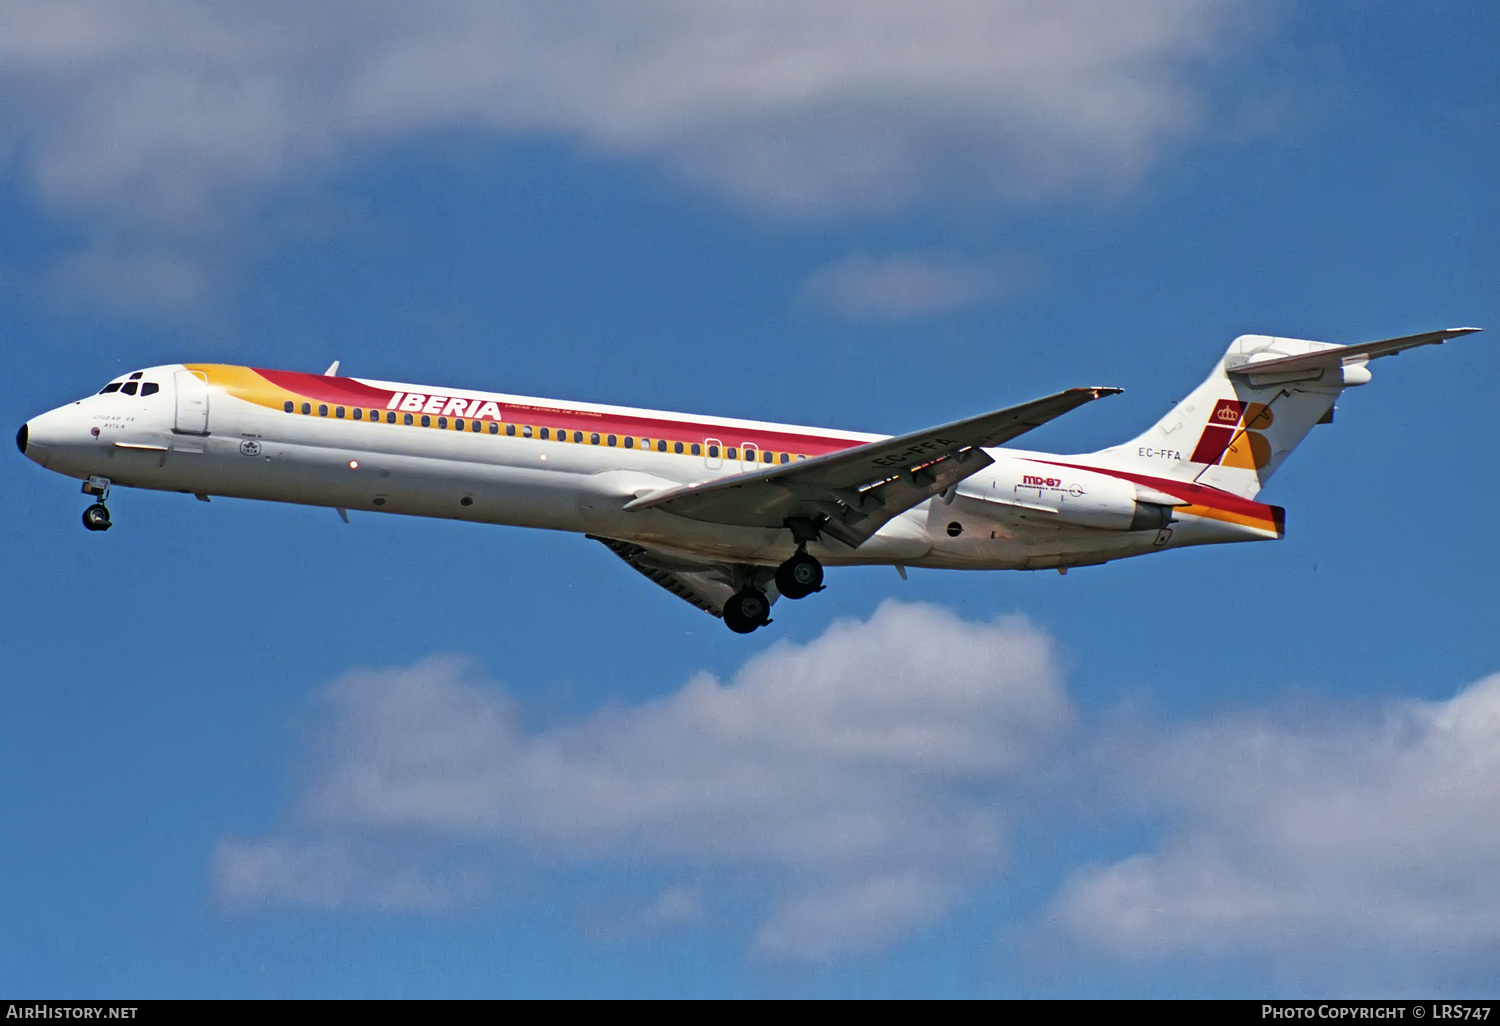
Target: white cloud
(869, 782)
(677, 906)
(156, 120)
(1360, 836)
(334, 872)
(911, 284)
(854, 917)
(838, 768)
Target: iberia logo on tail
(1233, 438)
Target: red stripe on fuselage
(349, 392)
(324, 389)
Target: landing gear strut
(747, 610)
(799, 576)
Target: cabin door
(192, 404)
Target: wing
(701, 584)
(849, 495)
(1337, 356)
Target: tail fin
(1261, 400)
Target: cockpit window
(136, 376)
(149, 388)
(128, 388)
(113, 386)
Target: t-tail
(1237, 428)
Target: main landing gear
(749, 609)
(799, 576)
(96, 517)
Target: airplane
(729, 515)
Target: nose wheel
(96, 517)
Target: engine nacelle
(1058, 495)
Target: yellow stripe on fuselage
(244, 383)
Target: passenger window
(713, 451)
(426, 420)
(375, 416)
(593, 438)
(149, 388)
(322, 409)
(786, 457)
(475, 425)
(358, 413)
(661, 445)
(696, 449)
(768, 457)
(510, 429)
(289, 406)
(629, 442)
(546, 435)
(458, 425)
(408, 419)
(526, 431)
(443, 422)
(730, 453)
(307, 408)
(610, 439)
(578, 437)
(339, 412)
(494, 427)
(128, 388)
(113, 386)
(136, 376)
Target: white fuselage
(198, 435)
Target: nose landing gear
(96, 517)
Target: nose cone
(26, 442)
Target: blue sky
(252, 751)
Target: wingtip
(1100, 391)
(1455, 332)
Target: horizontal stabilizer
(1337, 356)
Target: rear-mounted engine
(1073, 498)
